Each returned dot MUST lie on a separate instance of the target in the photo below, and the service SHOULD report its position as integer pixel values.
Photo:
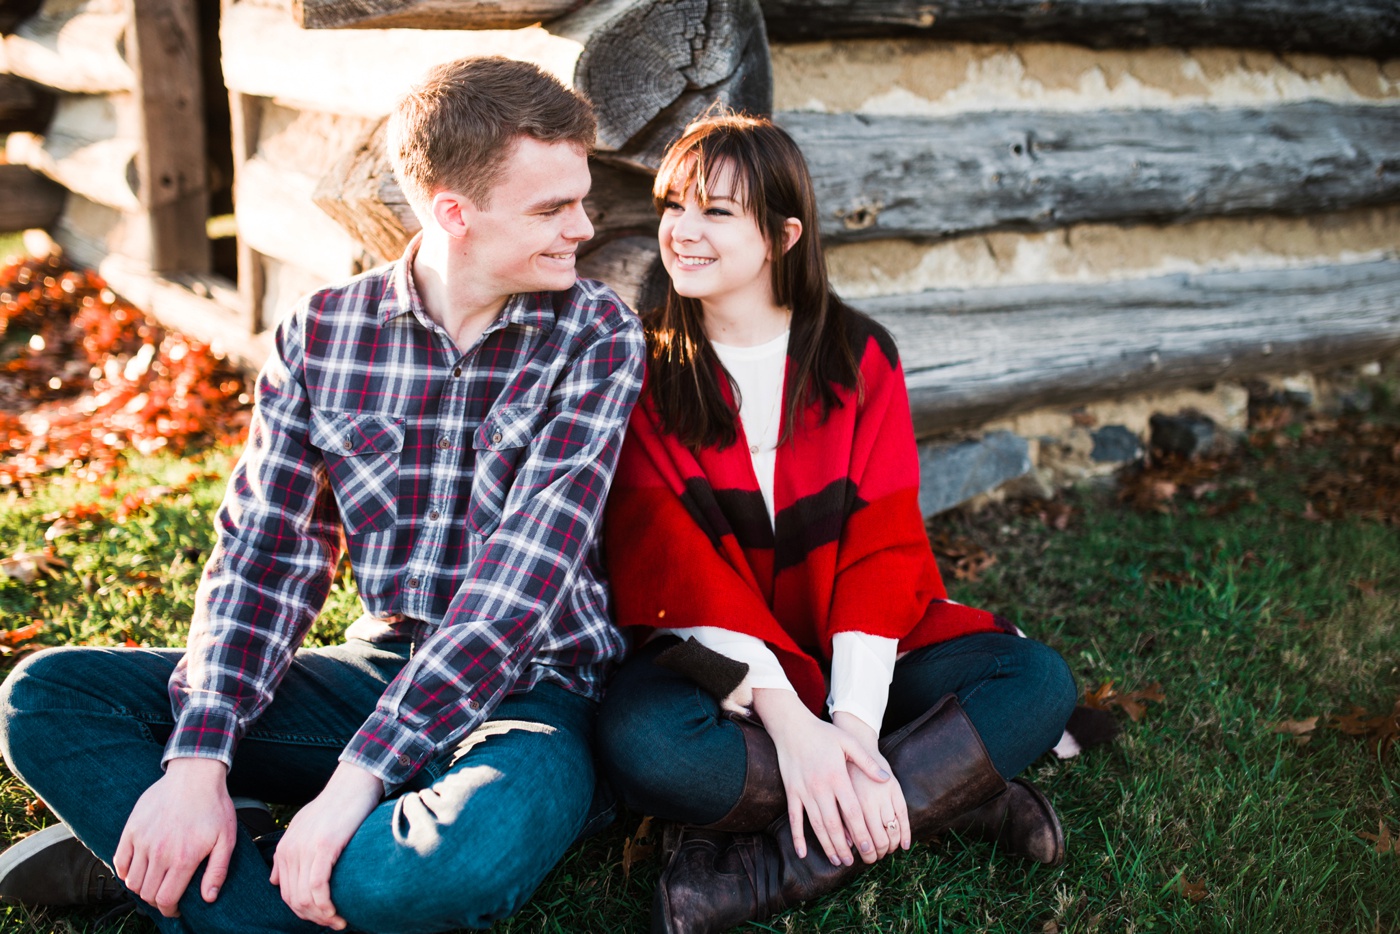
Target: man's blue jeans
(464, 844)
(671, 752)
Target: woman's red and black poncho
(688, 540)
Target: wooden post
(244, 112)
(164, 51)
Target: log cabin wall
(1052, 224)
(1051, 206)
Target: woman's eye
(670, 206)
(718, 212)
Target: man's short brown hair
(456, 128)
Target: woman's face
(715, 252)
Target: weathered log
(164, 46)
(429, 14)
(25, 107)
(362, 195)
(1349, 27)
(632, 58)
(971, 355)
(285, 284)
(660, 62)
(90, 148)
(749, 89)
(277, 216)
(92, 233)
(75, 47)
(879, 176)
(28, 199)
(308, 141)
(632, 266)
(360, 71)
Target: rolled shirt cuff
(862, 667)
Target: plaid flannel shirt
(470, 487)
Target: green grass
(1244, 619)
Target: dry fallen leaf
(1384, 840)
(1300, 730)
(1366, 587)
(1384, 729)
(14, 637)
(637, 847)
(1132, 703)
(28, 566)
(1191, 891)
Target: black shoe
(52, 867)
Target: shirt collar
(530, 309)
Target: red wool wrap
(688, 540)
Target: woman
(765, 544)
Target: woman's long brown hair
(773, 184)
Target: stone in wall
(951, 473)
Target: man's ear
(452, 212)
(792, 232)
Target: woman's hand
(813, 757)
(886, 814)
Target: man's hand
(317, 836)
(882, 802)
(184, 817)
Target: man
(459, 415)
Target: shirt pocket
(499, 446)
(361, 452)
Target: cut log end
(649, 61)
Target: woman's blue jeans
(464, 844)
(670, 752)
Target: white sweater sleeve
(862, 667)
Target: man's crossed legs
(464, 844)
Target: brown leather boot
(763, 799)
(714, 881)
(1020, 821)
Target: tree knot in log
(862, 216)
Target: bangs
(701, 158)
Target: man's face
(526, 239)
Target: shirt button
(434, 515)
(496, 438)
(444, 444)
(349, 444)
(404, 759)
(413, 583)
(473, 706)
(456, 371)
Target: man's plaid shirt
(470, 487)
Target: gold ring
(892, 825)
